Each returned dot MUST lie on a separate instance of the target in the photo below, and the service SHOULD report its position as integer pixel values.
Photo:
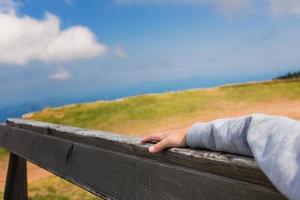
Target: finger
(151, 138)
(159, 146)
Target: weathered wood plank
(16, 180)
(228, 165)
(123, 173)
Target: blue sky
(71, 48)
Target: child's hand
(167, 139)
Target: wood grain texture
(118, 167)
(16, 180)
(228, 165)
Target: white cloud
(23, 38)
(60, 74)
(285, 7)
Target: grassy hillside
(159, 112)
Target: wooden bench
(119, 167)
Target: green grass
(148, 113)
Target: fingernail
(152, 149)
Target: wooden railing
(118, 167)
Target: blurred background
(70, 62)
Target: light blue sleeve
(274, 142)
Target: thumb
(159, 146)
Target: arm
(274, 141)
(228, 135)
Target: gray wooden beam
(16, 179)
(228, 165)
(119, 167)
